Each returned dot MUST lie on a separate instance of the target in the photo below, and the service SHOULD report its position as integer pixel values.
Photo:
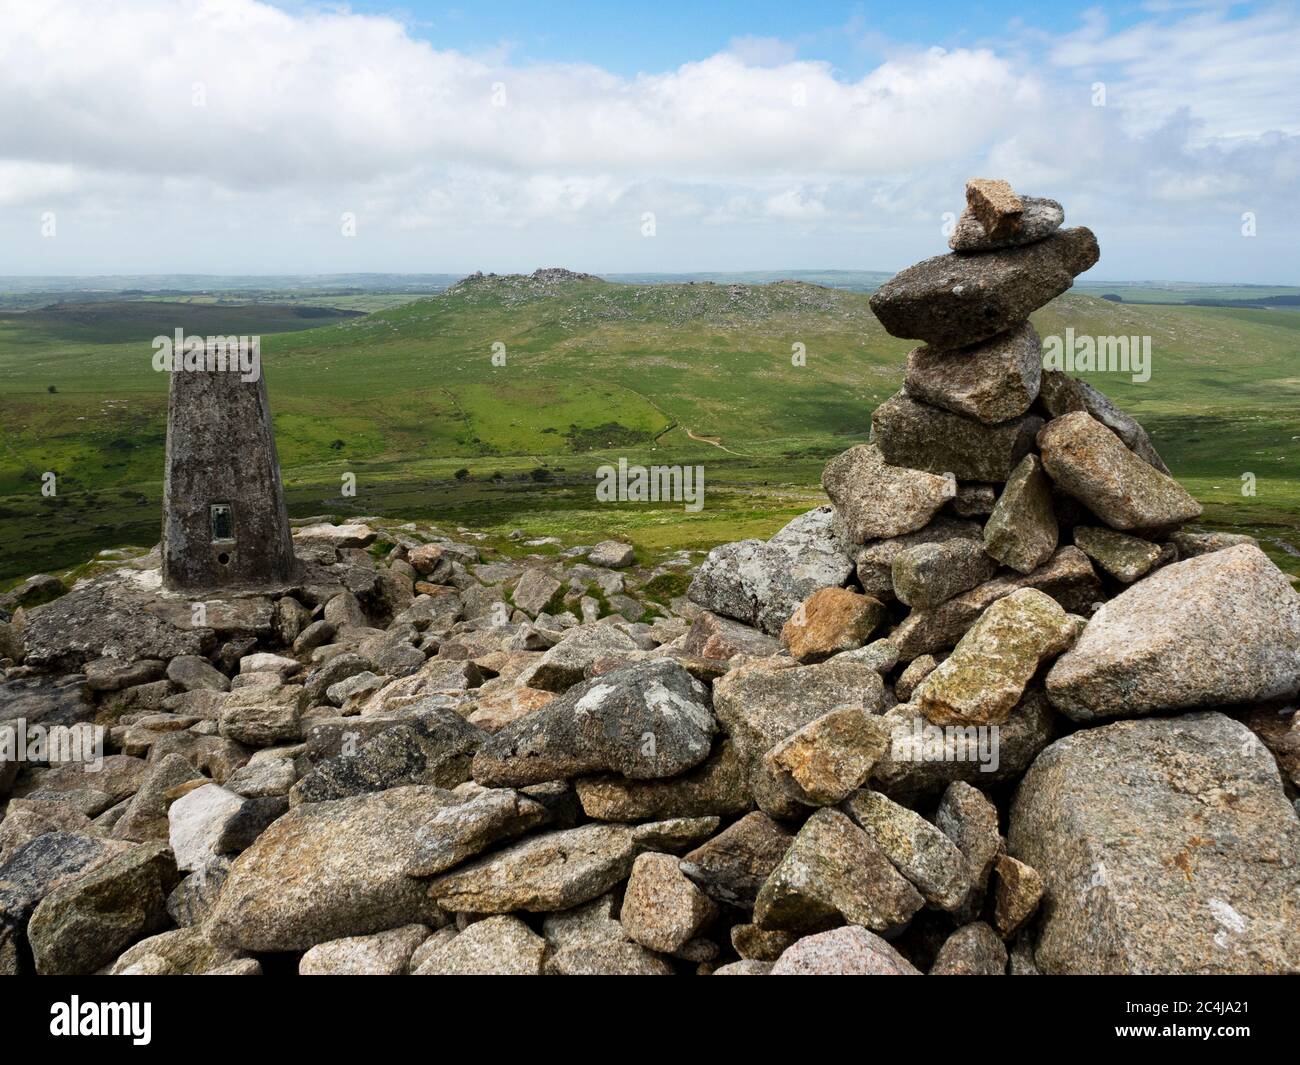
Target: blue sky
(629, 39)
(240, 136)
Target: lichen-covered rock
(569, 661)
(1167, 846)
(113, 616)
(1020, 957)
(1091, 463)
(381, 954)
(744, 967)
(337, 669)
(677, 835)
(929, 574)
(433, 746)
(831, 873)
(1021, 532)
(35, 590)
(1190, 544)
(762, 583)
(953, 300)
(881, 655)
(923, 759)
(116, 776)
(180, 952)
(496, 946)
(591, 922)
(83, 925)
(353, 535)
(611, 958)
(553, 871)
(45, 701)
(974, 500)
(1125, 558)
(986, 674)
(711, 636)
(191, 673)
(499, 703)
(829, 621)
(847, 951)
(1061, 395)
(662, 909)
(439, 679)
(877, 500)
(921, 437)
(1068, 577)
(534, 591)
(145, 817)
(993, 381)
(326, 870)
(829, 758)
(261, 716)
(733, 865)
(114, 674)
(916, 671)
(874, 561)
(1219, 629)
(30, 871)
(1017, 890)
(645, 721)
(967, 818)
(458, 832)
(281, 665)
(612, 554)
(191, 901)
(756, 944)
(11, 642)
(716, 787)
(28, 819)
(762, 703)
(248, 822)
(917, 849)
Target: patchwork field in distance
(411, 400)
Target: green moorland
(409, 399)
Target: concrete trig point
(224, 519)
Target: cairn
(1019, 542)
(1032, 455)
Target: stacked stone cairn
(1020, 545)
(995, 710)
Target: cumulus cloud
(239, 117)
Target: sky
(240, 136)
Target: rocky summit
(994, 708)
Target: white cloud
(1236, 73)
(308, 114)
(796, 205)
(762, 51)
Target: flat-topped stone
(954, 300)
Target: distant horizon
(604, 274)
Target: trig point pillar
(224, 519)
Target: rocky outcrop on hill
(436, 754)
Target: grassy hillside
(681, 373)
